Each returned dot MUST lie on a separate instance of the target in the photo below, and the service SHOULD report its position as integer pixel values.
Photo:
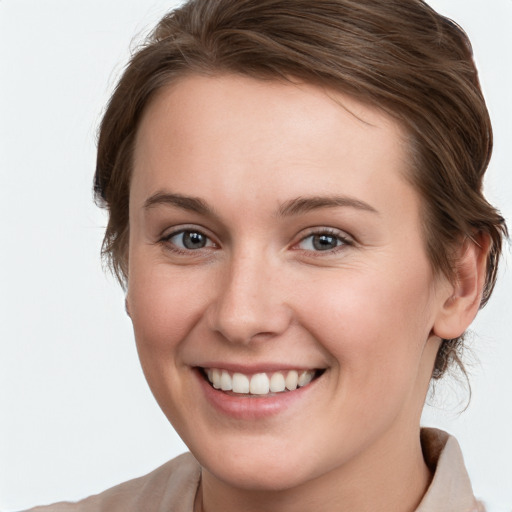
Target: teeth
(240, 383)
(277, 383)
(225, 381)
(292, 380)
(305, 378)
(259, 383)
(216, 378)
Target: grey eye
(324, 242)
(321, 242)
(190, 240)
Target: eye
(189, 240)
(323, 241)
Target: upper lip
(250, 369)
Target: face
(282, 300)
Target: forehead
(231, 130)
(243, 100)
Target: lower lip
(252, 407)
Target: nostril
(243, 326)
(248, 303)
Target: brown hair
(399, 55)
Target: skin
(368, 311)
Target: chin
(273, 473)
(258, 463)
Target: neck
(384, 479)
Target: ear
(465, 292)
(126, 308)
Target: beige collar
(450, 490)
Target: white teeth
(292, 380)
(216, 378)
(277, 383)
(305, 378)
(259, 383)
(240, 383)
(225, 381)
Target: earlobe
(462, 304)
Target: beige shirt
(173, 486)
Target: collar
(450, 489)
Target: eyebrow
(292, 207)
(306, 204)
(189, 203)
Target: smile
(259, 384)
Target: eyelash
(342, 240)
(166, 240)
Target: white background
(76, 415)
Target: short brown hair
(398, 55)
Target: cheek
(373, 326)
(164, 310)
(164, 307)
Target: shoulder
(172, 486)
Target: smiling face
(272, 232)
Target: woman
(295, 211)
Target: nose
(250, 301)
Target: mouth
(259, 384)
